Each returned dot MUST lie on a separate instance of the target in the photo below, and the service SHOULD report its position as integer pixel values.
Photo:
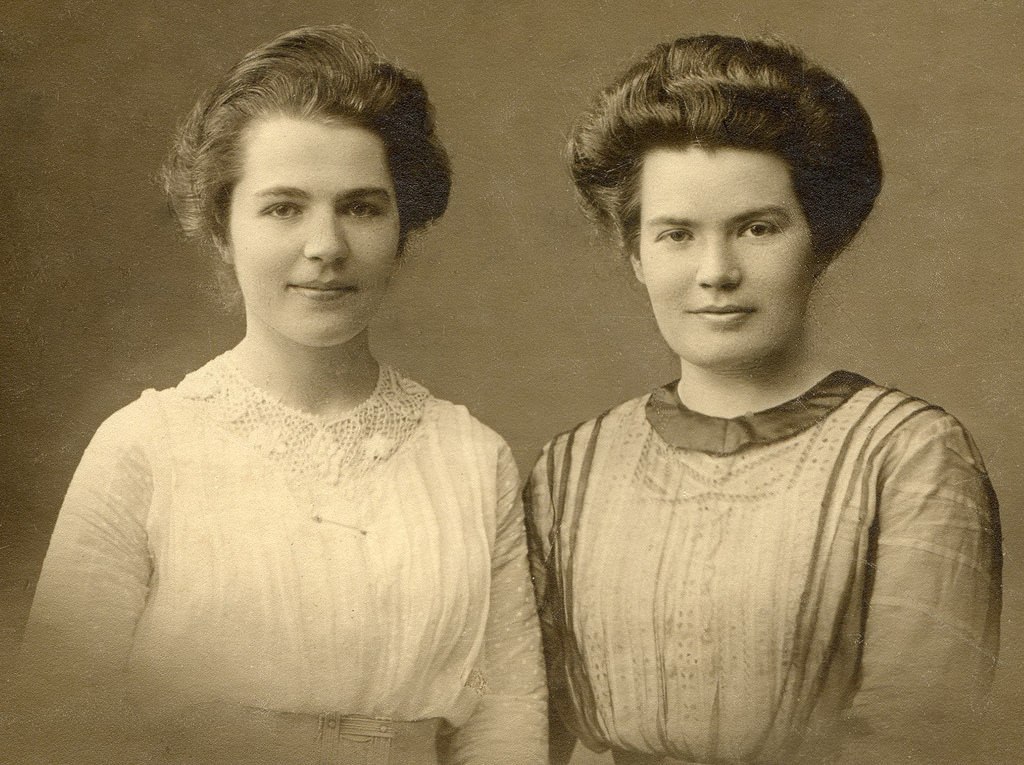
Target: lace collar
(684, 428)
(348, 446)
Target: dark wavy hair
(728, 92)
(324, 73)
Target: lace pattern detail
(477, 682)
(662, 468)
(348, 447)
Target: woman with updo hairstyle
(297, 554)
(766, 560)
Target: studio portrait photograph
(465, 383)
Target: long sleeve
(95, 577)
(509, 724)
(90, 595)
(931, 637)
(539, 521)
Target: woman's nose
(718, 267)
(326, 240)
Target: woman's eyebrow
(670, 220)
(294, 191)
(765, 211)
(283, 191)
(366, 191)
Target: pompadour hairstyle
(728, 92)
(326, 73)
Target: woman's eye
(282, 210)
(362, 209)
(676, 235)
(761, 228)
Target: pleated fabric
(729, 592)
(216, 545)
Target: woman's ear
(638, 267)
(224, 250)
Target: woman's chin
(753, 363)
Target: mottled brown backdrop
(511, 305)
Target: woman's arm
(539, 520)
(90, 594)
(509, 725)
(931, 636)
(95, 577)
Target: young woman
(767, 560)
(297, 555)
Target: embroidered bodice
(726, 590)
(218, 545)
(344, 448)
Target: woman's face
(725, 253)
(313, 230)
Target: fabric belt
(231, 735)
(387, 742)
(638, 758)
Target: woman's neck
(326, 382)
(732, 393)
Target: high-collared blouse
(726, 590)
(217, 545)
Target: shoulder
(928, 467)
(124, 452)
(135, 424)
(907, 424)
(453, 429)
(569, 448)
(454, 421)
(609, 424)
(456, 441)
(156, 417)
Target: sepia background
(512, 305)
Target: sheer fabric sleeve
(509, 725)
(537, 498)
(931, 637)
(95, 576)
(90, 594)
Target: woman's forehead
(293, 151)
(717, 181)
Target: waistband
(233, 734)
(621, 757)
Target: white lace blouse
(221, 546)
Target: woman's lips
(722, 315)
(323, 290)
(722, 310)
